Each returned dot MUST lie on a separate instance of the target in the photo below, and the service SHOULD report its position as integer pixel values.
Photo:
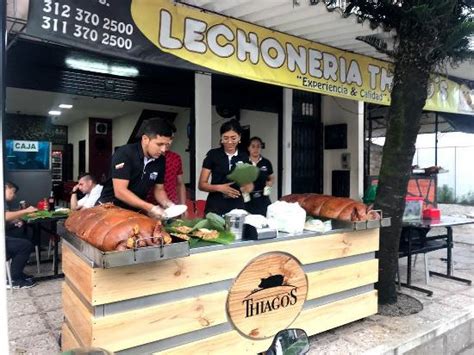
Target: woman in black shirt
(262, 186)
(224, 195)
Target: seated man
(17, 249)
(87, 185)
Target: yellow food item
(206, 234)
(183, 229)
(181, 236)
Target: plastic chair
(191, 209)
(200, 208)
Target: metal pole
(369, 144)
(4, 346)
(436, 139)
(435, 202)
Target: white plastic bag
(288, 217)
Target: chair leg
(49, 247)
(9, 273)
(427, 269)
(414, 260)
(398, 276)
(54, 259)
(37, 254)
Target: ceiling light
(66, 106)
(101, 67)
(54, 113)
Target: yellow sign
(268, 295)
(246, 50)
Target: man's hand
(156, 212)
(75, 188)
(30, 209)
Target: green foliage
(445, 194)
(210, 222)
(244, 174)
(428, 32)
(467, 199)
(216, 222)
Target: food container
(431, 213)
(234, 222)
(413, 208)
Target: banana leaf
(244, 174)
(216, 222)
(225, 238)
(37, 215)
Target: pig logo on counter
(272, 281)
(275, 300)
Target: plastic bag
(288, 217)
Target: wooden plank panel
(133, 328)
(68, 340)
(129, 329)
(128, 282)
(313, 321)
(329, 281)
(77, 314)
(77, 271)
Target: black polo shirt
(266, 169)
(217, 161)
(128, 164)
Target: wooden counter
(178, 306)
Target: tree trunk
(408, 99)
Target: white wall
(263, 125)
(77, 131)
(122, 128)
(180, 142)
(336, 111)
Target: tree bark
(408, 98)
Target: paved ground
(35, 315)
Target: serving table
(190, 304)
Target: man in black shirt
(138, 167)
(17, 249)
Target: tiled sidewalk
(35, 314)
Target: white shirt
(230, 156)
(91, 198)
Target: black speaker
(101, 128)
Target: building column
(4, 345)
(203, 126)
(360, 150)
(287, 140)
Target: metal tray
(357, 226)
(112, 259)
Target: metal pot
(235, 224)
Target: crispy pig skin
(108, 228)
(332, 207)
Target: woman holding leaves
(224, 195)
(259, 197)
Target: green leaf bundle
(243, 174)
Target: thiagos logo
(267, 295)
(257, 303)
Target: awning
(168, 33)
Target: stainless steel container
(235, 224)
